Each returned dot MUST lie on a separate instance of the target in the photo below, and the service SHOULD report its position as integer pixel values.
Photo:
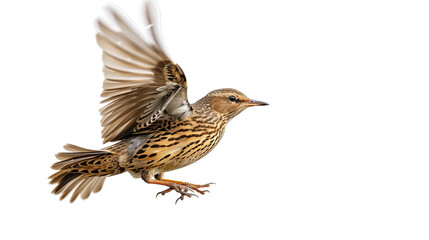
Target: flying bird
(146, 114)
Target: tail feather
(89, 188)
(88, 185)
(84, 170)
(69, 187)
(73, 155)
(99, 185)
(74, 148)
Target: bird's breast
(178, 147)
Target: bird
(147, 116)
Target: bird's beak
(255, 103)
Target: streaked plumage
(148, 113)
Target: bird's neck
(203, 112)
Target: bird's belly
(186, 153)
(164, 154)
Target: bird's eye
(231, 98)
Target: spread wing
(141, 83)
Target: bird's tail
(83, 170)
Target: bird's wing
(141, 83)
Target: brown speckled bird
(147, 114)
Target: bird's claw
(164, 192)
(196, 187)
(183, 194)
(185, 189)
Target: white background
(340, 153)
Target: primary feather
(142, 85)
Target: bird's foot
(185, 189)
(196, 187)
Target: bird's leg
(194, 187)
(183, 190)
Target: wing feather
(122, 65)
(141, 83)
(132, 35)
(121, 51)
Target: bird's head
(229, 102)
